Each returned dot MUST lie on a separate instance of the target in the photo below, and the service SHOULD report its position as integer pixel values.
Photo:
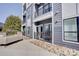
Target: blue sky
(7, 9)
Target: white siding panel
(68, 10)
(78, 9)
(28, 22)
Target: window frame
(63, 34)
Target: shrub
(12, 23)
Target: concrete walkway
(24, 48)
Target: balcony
(43, 9)
(44, 32)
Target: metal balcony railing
(43, 10)
(47, 36)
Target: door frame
(39, 30)
(48, 24)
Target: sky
(7, 9)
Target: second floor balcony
(43, 9)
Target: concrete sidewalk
(24, 48)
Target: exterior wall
(41, 20)
(69, 10)
(77, 9)
(57, 16)
(43, 17)
(23, 23)
(31, 21)
(28, 22)
(64, 12)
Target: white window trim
(63, 35)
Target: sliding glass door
(39, 30)
(44, 32)
(47, 32)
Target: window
(70, 29)
(23, 30)
(40, 11)
(29, 12)
(24, 7)
(46, 8)
(24, 18)
(28, 30)
(50, 6)
(48, 31)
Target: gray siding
(58, 16)
(57, 9)
(57, 22)
(69, 10)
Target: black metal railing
(47, 36)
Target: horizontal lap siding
(57, 22)
(57, 9)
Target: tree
(12, 23)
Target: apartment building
(27, 19)
(43, 22)
(56, 23)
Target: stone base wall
(58, 50)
